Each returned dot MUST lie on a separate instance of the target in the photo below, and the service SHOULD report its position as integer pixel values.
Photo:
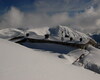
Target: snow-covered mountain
(60, 33)
(54, 62)
(66, 33)
(96, 36)
(9, 33)
(57, 33)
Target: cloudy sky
(80, 14)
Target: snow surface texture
(20, 63)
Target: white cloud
(12, 18)
(88, 20)
(16, 18)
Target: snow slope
(20, 63)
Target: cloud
(88, 20)
(16, 18)
(12, 18)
